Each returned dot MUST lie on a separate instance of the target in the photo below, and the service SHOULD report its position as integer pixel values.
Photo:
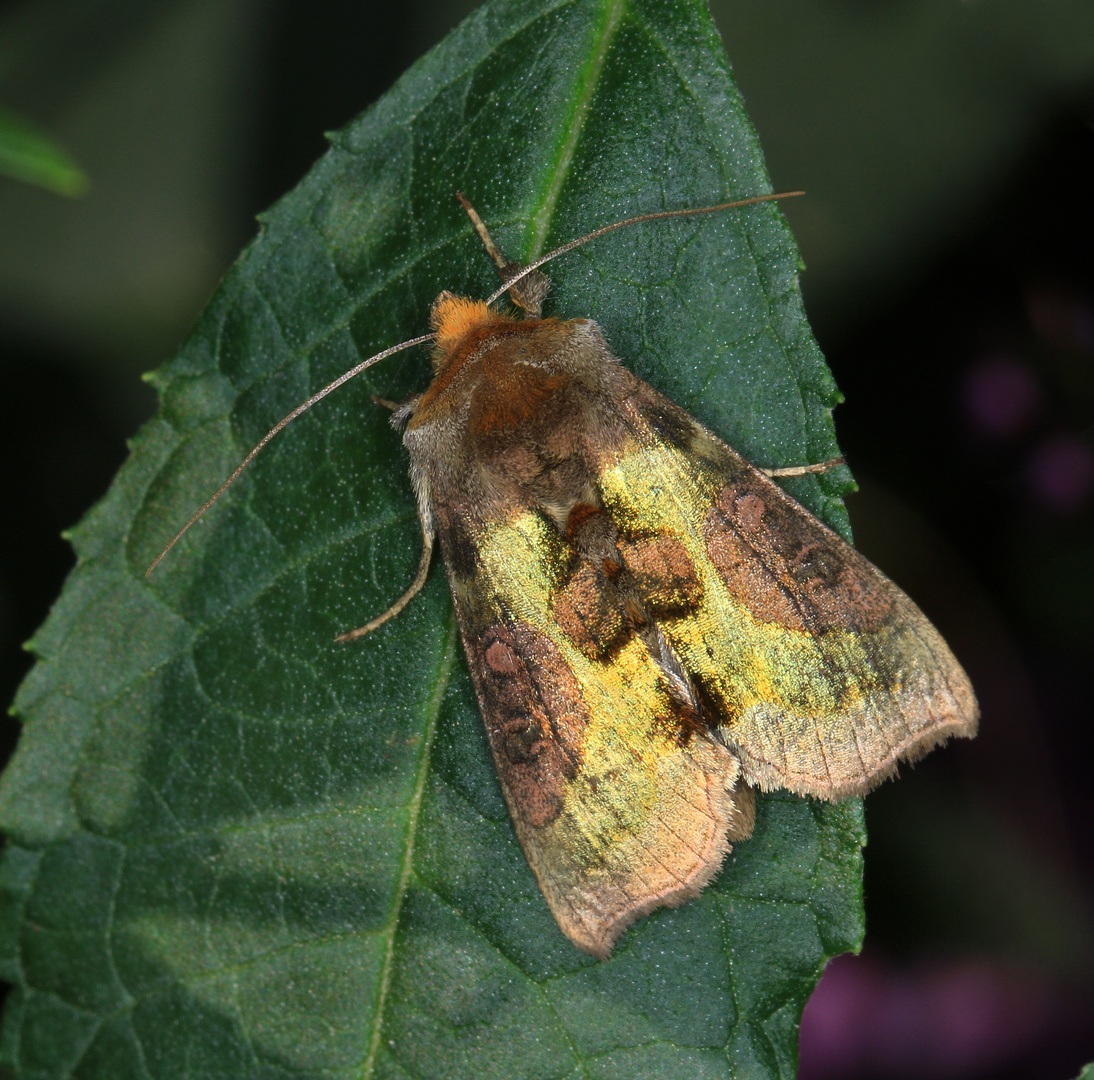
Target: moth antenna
(655, 216)
(284, 422)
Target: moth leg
(390, 405)
(415, 588)
(802, 470)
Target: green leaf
(29, 154)
(239, 850)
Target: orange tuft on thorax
(454, 317)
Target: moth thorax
(454, 318)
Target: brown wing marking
(775, 562)
(535, 717)
(589, 610)
(663, 573)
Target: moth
(654, 629)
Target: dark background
(948, 153)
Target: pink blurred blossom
(1061, 472)
(1002, 396)
(948, 1019)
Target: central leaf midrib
(444, 675)
(573, 123)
